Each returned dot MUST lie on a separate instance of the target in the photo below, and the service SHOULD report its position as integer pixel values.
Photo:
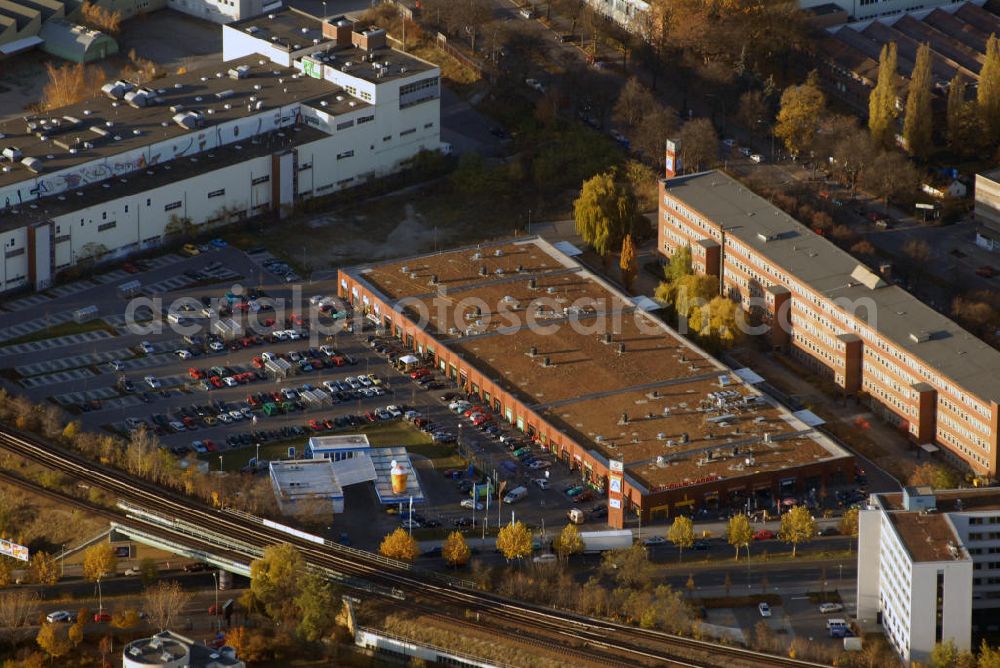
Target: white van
(835, 622)
(515, 495)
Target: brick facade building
(916, 368)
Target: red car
(102, 617)
(763, 534)
(370, 416)
(258, 362)
(328, 423)
(252, 400)
(986, 271)
(315, 425)
(215, 381)
(210, 445)
(338, 360)
(196, 374)
(419, 373)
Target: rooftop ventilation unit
(621, 348)
(546, 361)
(224, 94)
(253, 30)
(920, 336)
(117, 89)
(34, 165)
(767, 236)
(241, 72)
(189, 120)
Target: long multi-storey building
(644, 417)
(301, 108)
(916, 368)
(928, 566)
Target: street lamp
(257, 458)
(220, 463)
(215, 577)
(324, 11)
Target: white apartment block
(927, 563)
(278, 123)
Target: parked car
(654, 540)
(547, 558)
(764, 609)
(830, 607)
(191, 249)
(470, 504)
(541, 483)
(763, 534)
(102, 616)
(59, 616)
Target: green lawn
(395, 432)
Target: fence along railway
(234, 532)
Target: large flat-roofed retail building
(255, 134)
(916, 368)
(644, 417)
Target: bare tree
(634, 103)
(18, 608)
(163, 602)
(699, 144)
(649, 138)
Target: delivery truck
(602, 541)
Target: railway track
(631, 643)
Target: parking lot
(213, 394)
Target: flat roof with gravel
(613, 378)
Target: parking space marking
(164, 261)
(166, 285)
(61, 291)
(32, 326)
(71, 362)
(57, 377)
(57, 342)
(70, 398)
(111, 276)
(26, 302)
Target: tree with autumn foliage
(628, 263)
(918, 124)
(97, 17)
(514, 541)
(69, 84)
(604, 212)
(882, 110)
(798, 118)
(399, 545)
(455, 551)
(43, 569)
